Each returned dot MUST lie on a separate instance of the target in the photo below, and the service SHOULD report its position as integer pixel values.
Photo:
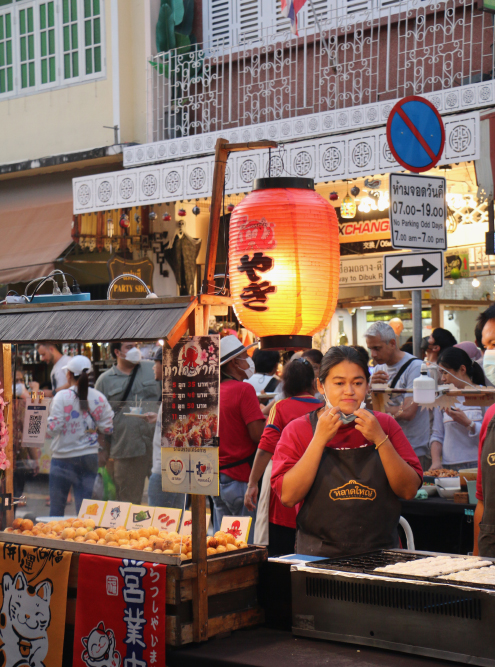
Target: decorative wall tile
(333, 158)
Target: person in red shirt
(241, 424)
(298, 384)
(484, 514)
(345, 467)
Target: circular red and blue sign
(415, 134)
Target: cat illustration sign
(415, 270)
(415, 134)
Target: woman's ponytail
(82, 390)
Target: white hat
(78, 365)
(231, 347)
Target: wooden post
(200, 584)
(221, 155)
(222, 150)
(6, 385)
(198, 515)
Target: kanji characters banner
(33, 605)
(120, 613)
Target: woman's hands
(459, 417)
(367, 424)
(329, 423)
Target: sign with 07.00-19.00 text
(418, 212)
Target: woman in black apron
(347, 465)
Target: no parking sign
(415, 134)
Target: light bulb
(476, 282)
(451, 282)
(161, 342)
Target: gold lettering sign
(491, 459)
(128, 288)
(353, 491)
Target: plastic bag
(104, 487)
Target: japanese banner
(33, 604)
(120, 613)
(191, 385)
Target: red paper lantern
(181, 213)
(166, 217)
(284, 262)
(333, 196)
(230, 208)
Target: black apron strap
(400, 372)
(486, 539)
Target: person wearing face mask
(456, 430)
(130, 383)
(484, 515)
(345, 467)
(241, 425)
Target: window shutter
(248, 21)
(6, 54)
(354, 6)
(322, 9)
(220, 22)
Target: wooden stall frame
(195, 322)
(483, 397)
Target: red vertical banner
(120, 613)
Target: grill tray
(367, 562)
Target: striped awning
(97, 321)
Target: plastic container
(471, 486)
(424, 388)
(447, 491)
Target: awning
(35, 226)
(97, 321)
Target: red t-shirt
(298, 434)
(486, 420)
(281, 414)
(239, 407)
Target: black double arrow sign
(426, 270)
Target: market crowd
(294, 430)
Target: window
(49, 43)
(230, 23)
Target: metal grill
(420, 600)
(382, 53)
(367, 562)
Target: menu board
(191, 386)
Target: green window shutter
(47, 41)
(26, 44)
(92, 35)
(71, 41)
(6, 64)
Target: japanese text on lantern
(256, 235)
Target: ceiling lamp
(348, 206)
(284, 262)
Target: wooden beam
(221, 155)
(249, 146)
(200, 584)
(215, 300)
(198, 515)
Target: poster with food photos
(191, 386)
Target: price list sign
(418, 212)
(191, 385)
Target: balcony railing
(411, 48)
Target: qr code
(34, 424)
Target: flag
(120, 613)
(33, 586)
(290, 9)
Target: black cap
(158, 355)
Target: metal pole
(317, 21)
(417, 324)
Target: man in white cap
(240, 427)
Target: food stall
(192, 611)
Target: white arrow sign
(413, 270)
